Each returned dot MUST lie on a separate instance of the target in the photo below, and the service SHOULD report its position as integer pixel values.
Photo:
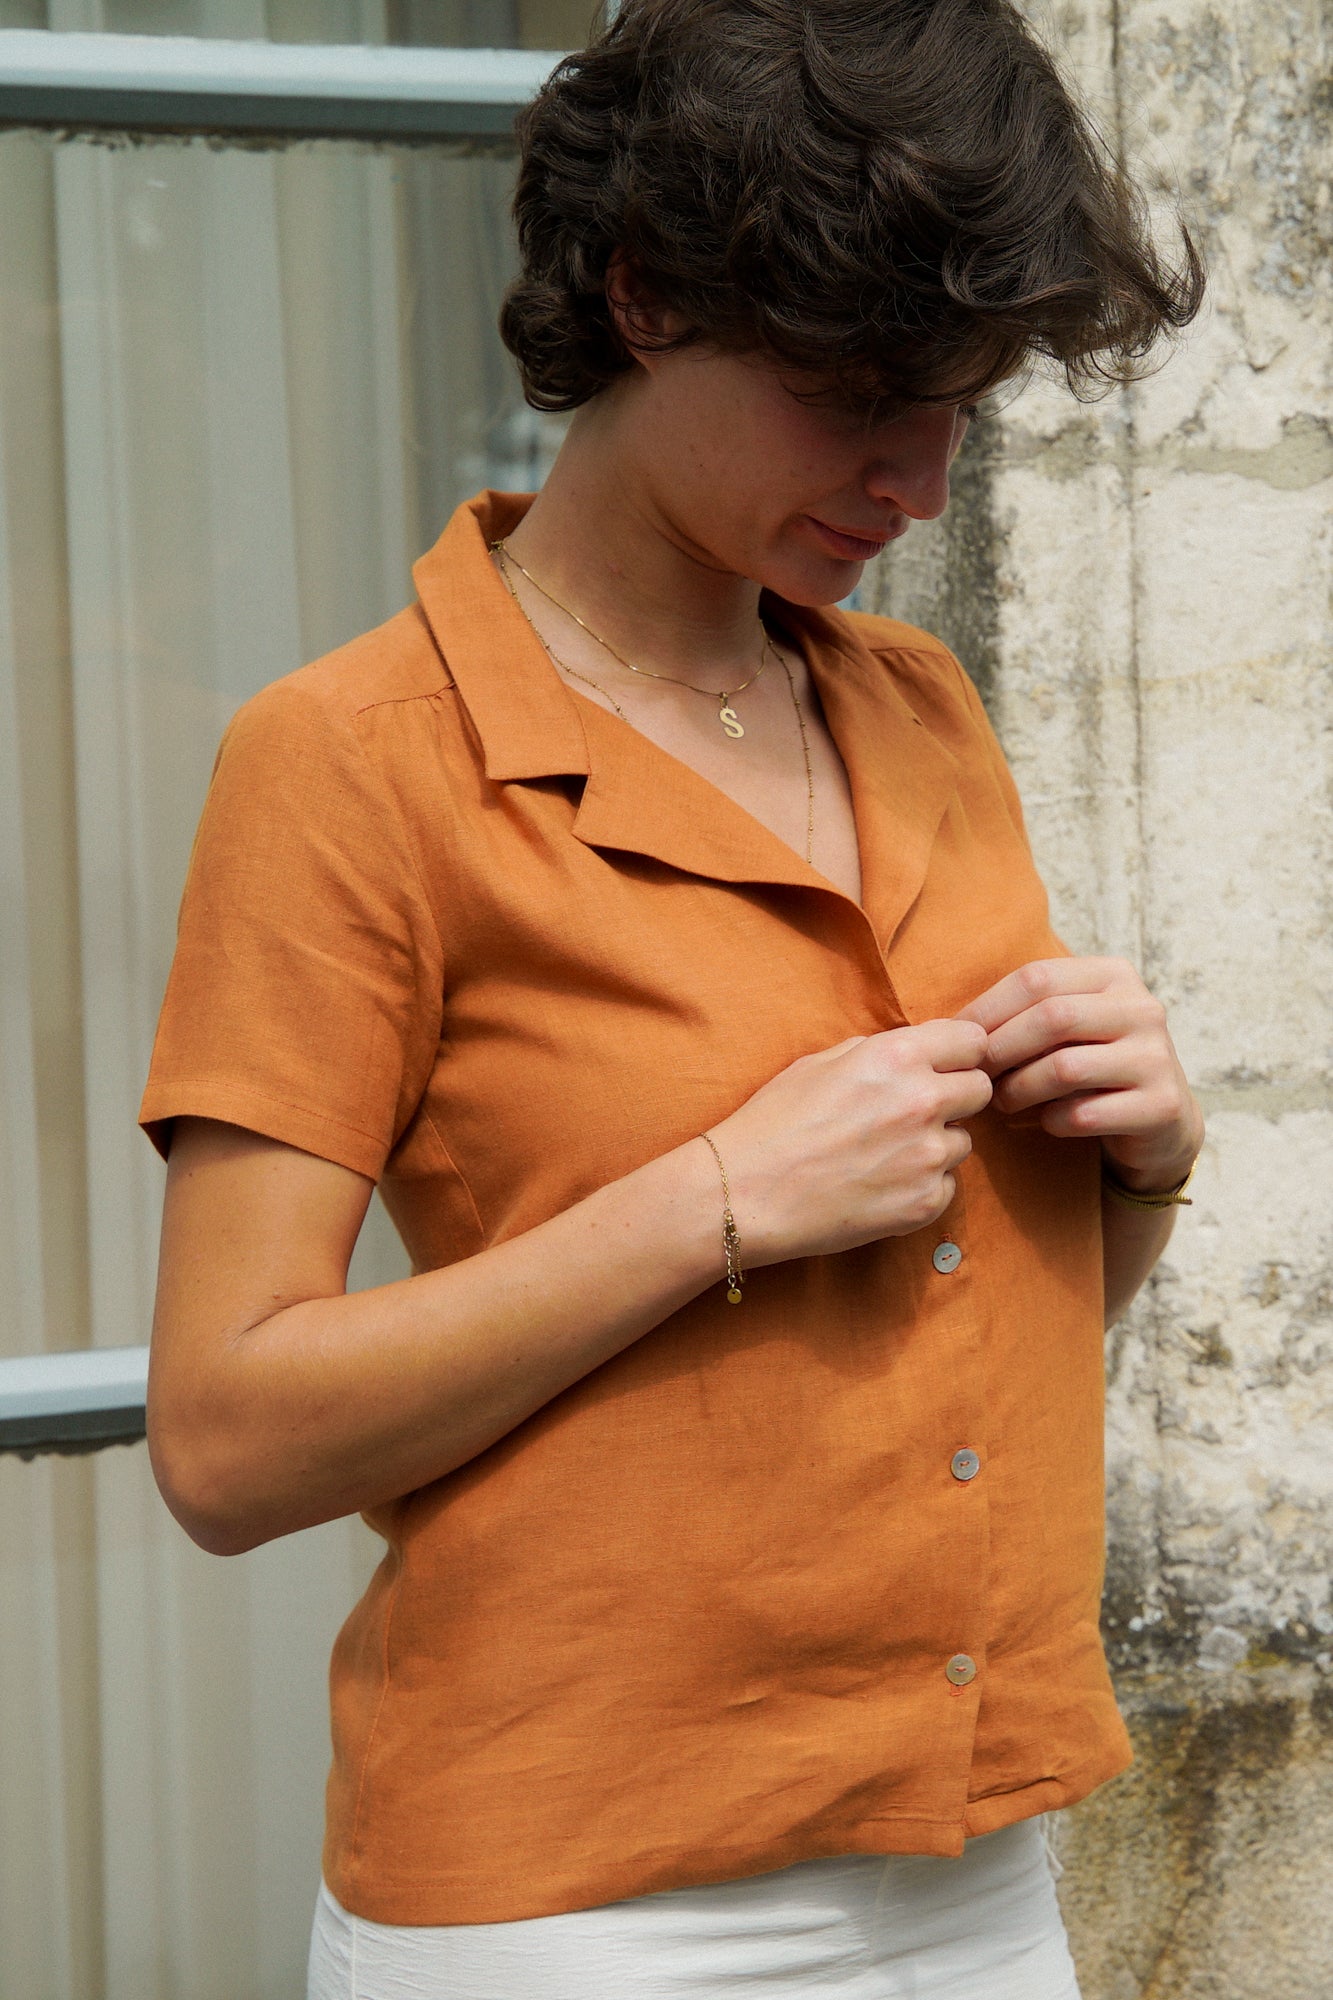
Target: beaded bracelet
(731, 1242)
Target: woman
(667, 947)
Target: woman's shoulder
(375, 718)
(395, 664)
(892, 635)
(939, 690)
(926, 671)
(366, 735)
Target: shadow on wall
(1202, 1870)
(944, 575)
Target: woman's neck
(600, 541)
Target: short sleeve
(305, 994)
(999, 763)
(1004, 777)
(898, 645)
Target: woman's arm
(1083, 1044)
(1132, 1242)
(277, 1400)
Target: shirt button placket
(963, 1465)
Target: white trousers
(861, 1927)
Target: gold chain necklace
(606, 694)
(726, 714)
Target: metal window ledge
(73, 1402)
(186, 87)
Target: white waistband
(860, 1927)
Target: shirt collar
(638, 798)
(527, 720)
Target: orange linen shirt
(462, 930)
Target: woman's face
(752, 478)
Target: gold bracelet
(1175, 1197)
(731, 1242)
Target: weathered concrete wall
(1142, 590)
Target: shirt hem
(1000, 1809)
(236, 1104)
(476, 1899)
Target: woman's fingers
(946, 1058)
(964, 1094)
(1070, 1019)
(1081, 1046)
(938, 1045)
(1102, 1114)
(1046, 979)
(857, 1141)
(1126, 1063)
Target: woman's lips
(850, 547)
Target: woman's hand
(1083, 1043)
(278, 1399)
(855, 1142)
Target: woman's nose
(911, 470)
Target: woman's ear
(646, 328)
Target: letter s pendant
(730, 721)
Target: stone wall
(1141, 588)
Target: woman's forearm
(330, 1405)
(1083, 1041)
(1132, 1241)
(277, 1400)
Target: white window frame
(183, 86)
(73, 1402)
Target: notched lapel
(639, 799)
(902, 777)
(522, 711)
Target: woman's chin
(814, 584)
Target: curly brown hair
(898, 199)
